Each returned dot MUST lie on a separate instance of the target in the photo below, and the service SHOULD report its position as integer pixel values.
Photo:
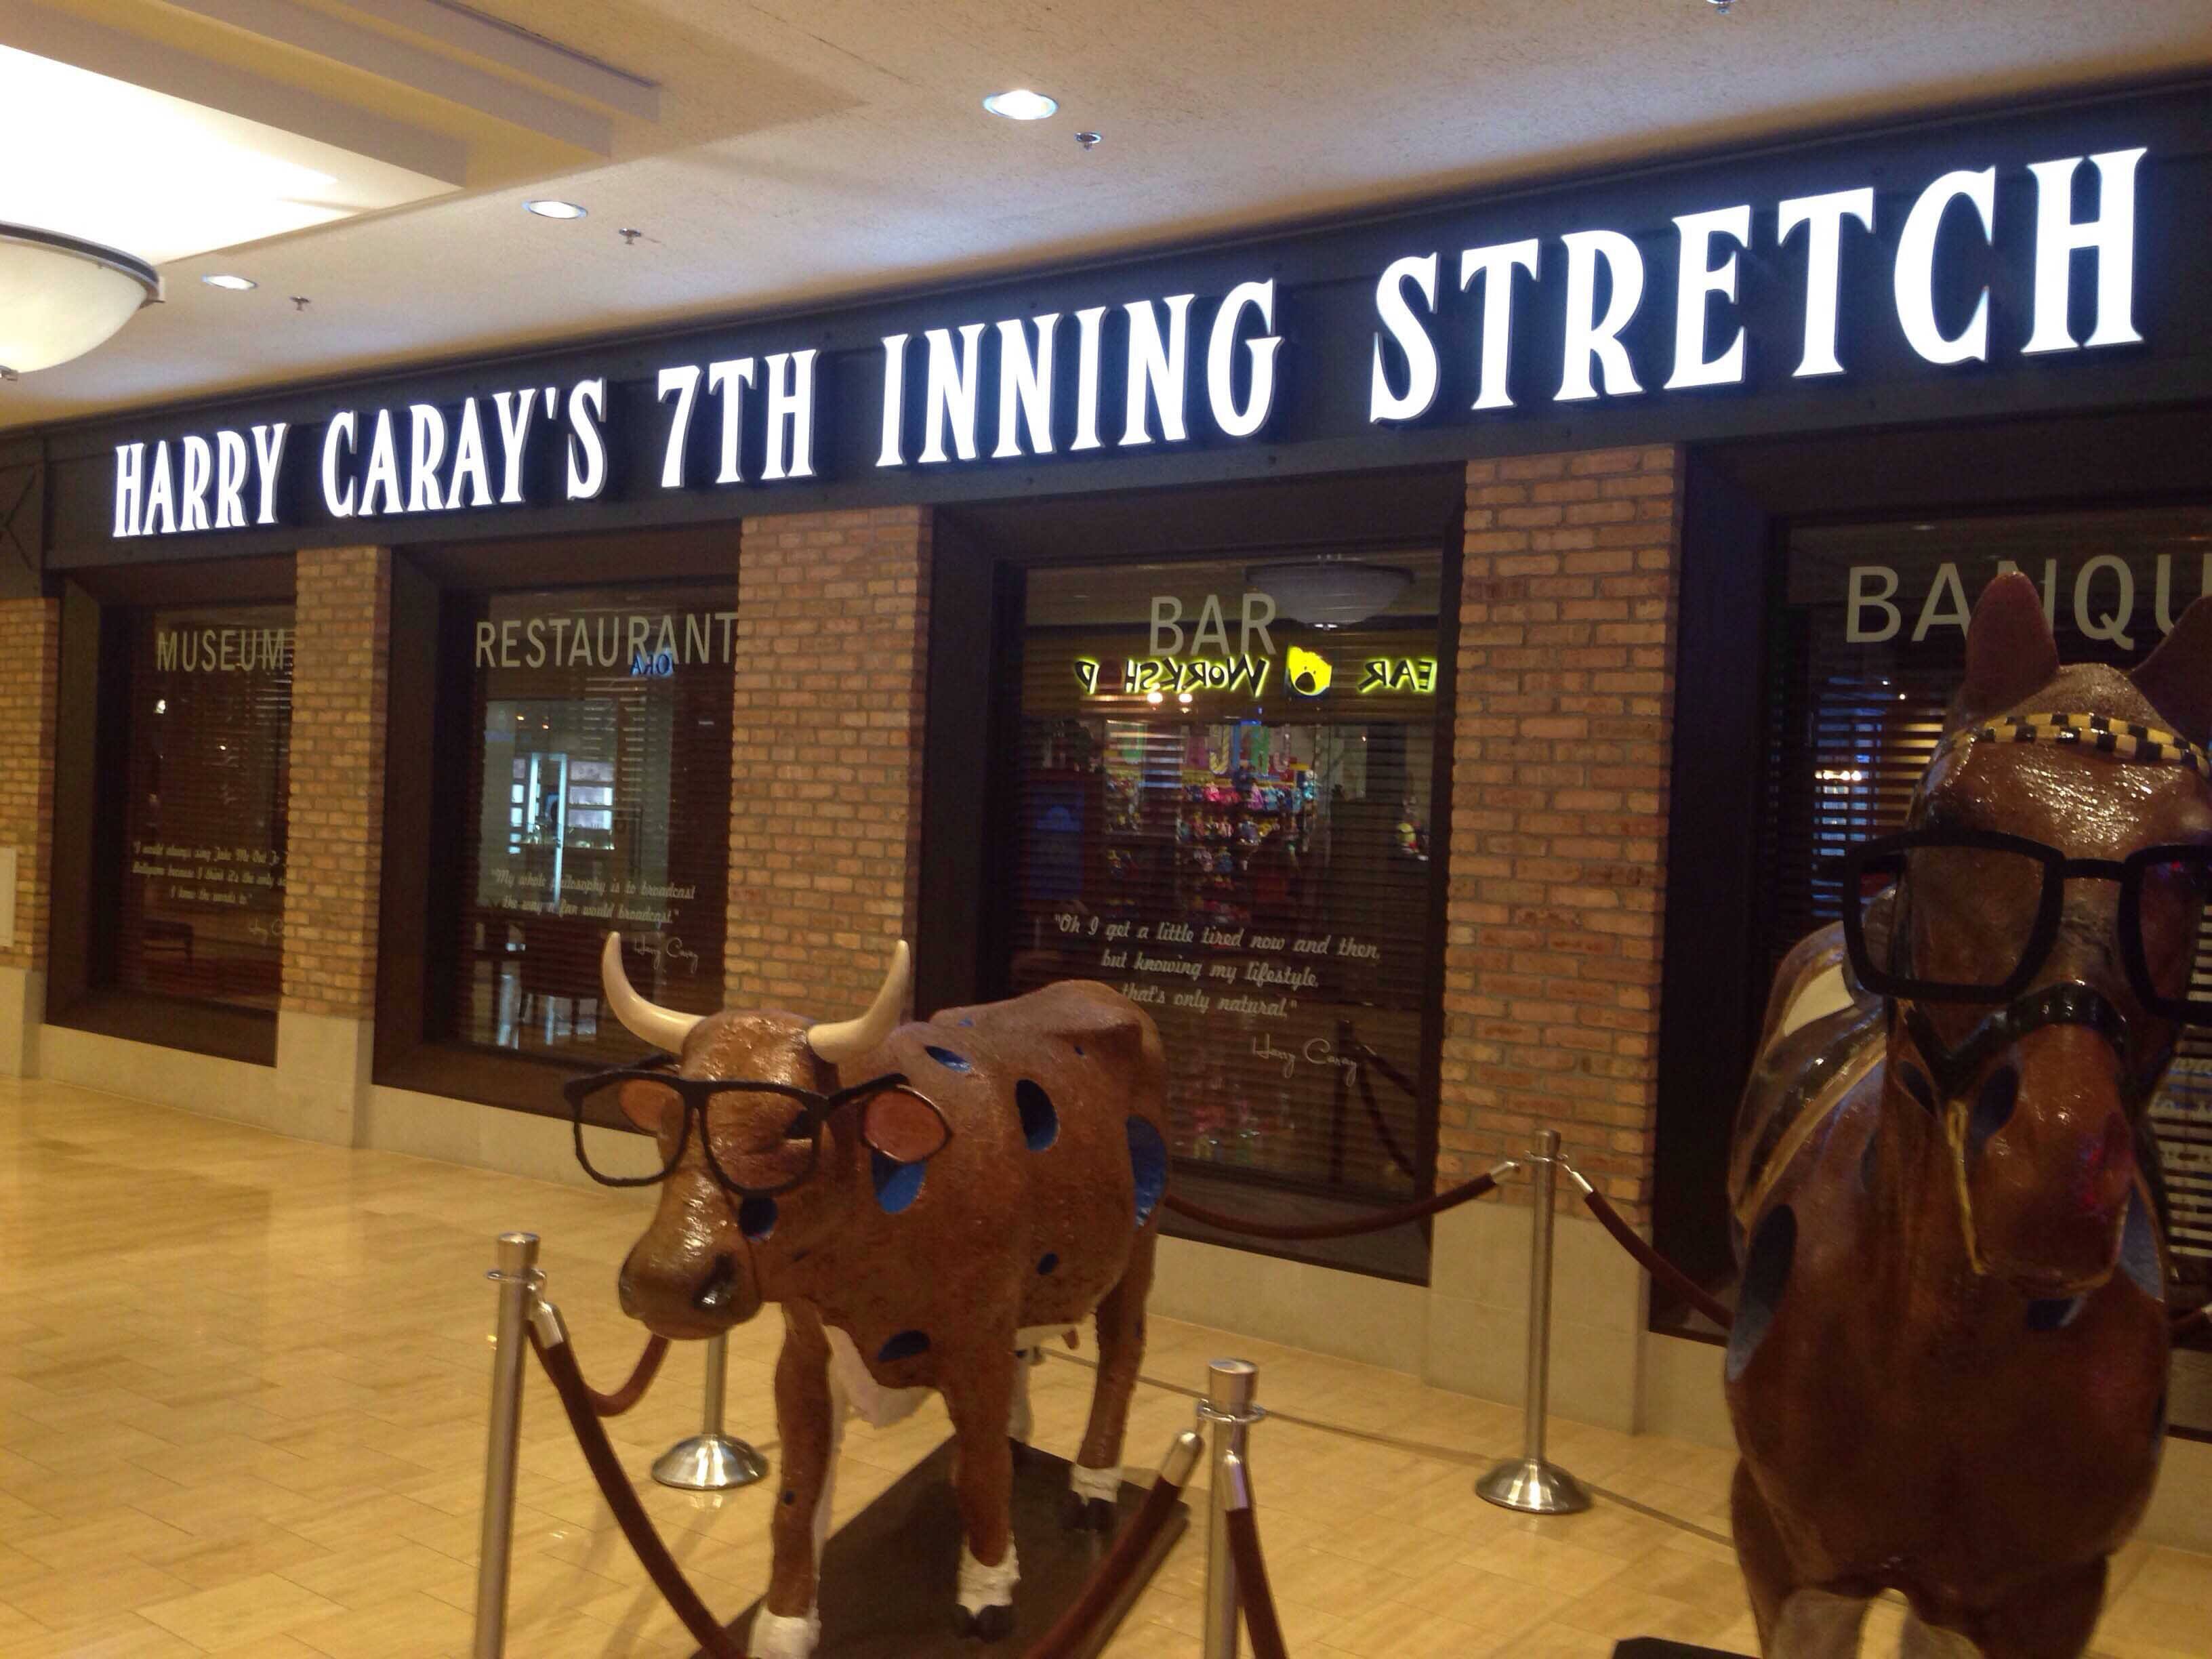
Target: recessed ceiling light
(548, 208)
(235, 284)
(1020, 105)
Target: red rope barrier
(1381, 1221)
(640, 1379)
(1074, 1629)
(560, 1364)
(1253, 1593)
(1656, 1264)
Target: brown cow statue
(1948, 1370)
(927, 1202)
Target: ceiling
(798, 150)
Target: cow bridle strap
(2099, 734)
(1954, 1069)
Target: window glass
(1871, 646)
(599, 799)
(200, 910)
(1224, 810)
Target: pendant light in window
(1330, 592)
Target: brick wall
(30, 644)
(1558, 838)
(341, 664)
(825, 809)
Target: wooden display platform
(888, 1574)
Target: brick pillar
(825, 807)
(1558, 845)
(30, 648)
(341, 665)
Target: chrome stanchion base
(1534, 1488)
(709, 1462)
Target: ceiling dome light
(1330, 593)
(547, 207)
(235, 284)
(60, 297)
(1021, 105)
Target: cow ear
(2177, 678)
(646, 1103)
(904, 1127)
(2010, 652)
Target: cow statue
(1947, 1368)
(928, 1203)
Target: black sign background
(1325, 311)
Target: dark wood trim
(248, 1035)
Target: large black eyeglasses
(768, 1134)
(2027, 882)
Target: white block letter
(229, 480)
(1221, 359)
(1823, 217)
(727, 380)
(1158, 370)
(949, 393)
(1024, 387)
(1587, 339)
(341, 433)
(2111, 235)
(130, 487)
(587, 447)
(1496, 265)
(1915, 268)
(894, 400)
(1397, 317)
(683, 379)
(1700, 280)
(790, 416)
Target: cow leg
(979, 1398)
(1095, 1480)
(809, 1420)
(1795, 1620)
(2053, 1618)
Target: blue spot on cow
(1040, 1121)
(756, 1217)
(1079, 1051)
(967, 1022)
(2053, 1313)
(2139, 1250)
(898, 1184)
(1047, 1263)
(947, 1059)
(902, 1345)
(1765, 1277)
(1148, 1163)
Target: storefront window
(1225, 803)
(1872, 647)
(200, 907)
(599, 799)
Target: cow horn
(663, 1028)
(848, 1039)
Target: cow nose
(718, 1290)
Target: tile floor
(242, 1395)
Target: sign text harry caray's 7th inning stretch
(1138, 374)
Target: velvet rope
(1253, 1594)
(640, 1379)
(1380, 1221)
(1076, 1628)
(560, 1364)
(1656, 1264)
(2182, 1321)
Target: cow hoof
(985, 1624)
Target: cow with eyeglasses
(928, 1203)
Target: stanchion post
(1527, 1483)
(711, 1461)
(517, 1277)
(1231, 1386)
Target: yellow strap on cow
(2098, 733)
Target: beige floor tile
(265, 1605)
(264, 1417)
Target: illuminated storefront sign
(1399, 674)
(1963, 264)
